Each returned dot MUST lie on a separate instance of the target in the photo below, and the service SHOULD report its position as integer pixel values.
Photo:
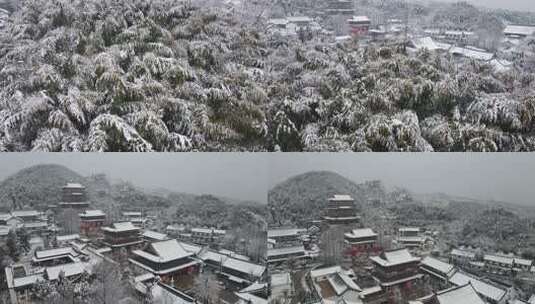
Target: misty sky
(504, 176)
(241, 176)
(247, 176)
(519, 5)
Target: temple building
(91, 221)
(439, 272)
(340, 7)
(277, 255)
(74, 196)
(411, 237)
(237, 271)
(464, 294)
(359, 25)
(361, 241)
(286, 236)
(396, 268)
(122, 234)
(167, 259)
(341, 210)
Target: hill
(302, 197)
(36, 186)
(40, 186)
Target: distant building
(8, 220)
(277, 255)
(206, 236)
(74, 196)
(340, 7)
(341, 210)
(359, 25)
(122, 234)
(65, 240)
(284, 236)
(411, 237)
(91, 221)
(136, 218)
(396, 268)
(519, 31)
(460, 256)
(153, 236)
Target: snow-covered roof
(155, 235)
(68, 237)
(463, 253)
(53, 253)
(324, 271)
(409, 229)
(144, 277)
(4, 230)
(132, 213)
(340, 197)
(5, 216)
(233, 254)
(370, 290)
(278, 21)
(191, 247)
(212, 256)
(166, 251)
(394, 257)
(472, 53)
(439, 266)
(208, 230)
(256, 286)
(273, 233)
(163, 293)
(411, 239)
(244, 266)
(521, 30)
(498, 259)
(299, 19)
(27, 280)
(359, 19)
(52, 273)
(121, 227)
(456, 295)
(361, 233)
(425, 43)
(92, 213)
(523, 262)
(24, 213)
(40, 224)
(285, 250)
(484, 289)
(73, 185)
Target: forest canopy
(116, 75)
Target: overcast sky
(247, 176)
(507, 177)
(242, 176)
(519, 5)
